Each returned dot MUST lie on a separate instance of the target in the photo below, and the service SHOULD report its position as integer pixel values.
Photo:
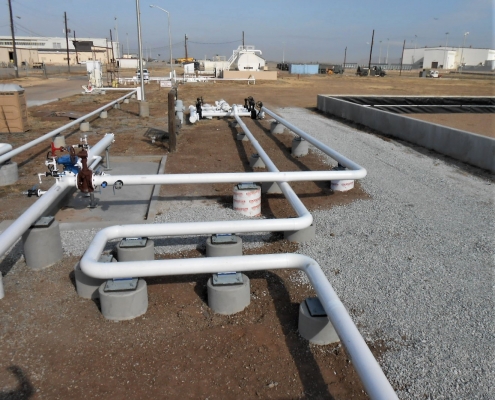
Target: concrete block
(104, 114)
(229, 299)
(136, 253)
(144, 109)
(59, 141)
(126, 101)
(276, 127)
(255, 161)
(224, 249)
(42, 246)
(124, 305)
(270, 188)
(302, 235)
(299, 147)
(318, 330)
(116, 106)
(84, 127)
(86, 286)
(9, 173)
(243, 137)
(133, 96)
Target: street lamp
(415, 43)
(462, 51)
(446, 38)
(169, 39)
(127, 36)
(380, 56)
(388, 42)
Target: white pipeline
(374, 381)
(10, 154)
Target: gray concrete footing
(276, 127)
(133, 96)
(104, 114)
(270, 188)
(86, 286)
(144, 109)
(126, 101)
(116, 106)
(59, 141)
(299, 147)
(229, 299)
(255, 161)
(136, 253)
(42, 246)
(9, 173)
(224, 249)
(2, 292)
(302, 235)
(124, 305)
(243, 137)
(318, 330)
(84, 127)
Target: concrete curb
(464, 146)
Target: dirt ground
(56, 345)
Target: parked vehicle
(146, 75)
(378, 71)
(362, 71)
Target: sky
(284, 30)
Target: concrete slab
(128, 205)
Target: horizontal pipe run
(55, 132)
(321, 146)
(372, 377)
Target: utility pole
(117, 36)
(345, 56)
(67, 41)
(111, 44)
(77, 59)
(13, 41)
(242, 39)
(371, 50)
(402, 57)
(185, 44)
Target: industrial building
(53, 50)
(451, 58)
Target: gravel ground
(414, 265)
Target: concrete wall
(261, 75)
(464, 146)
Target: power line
(233, 41)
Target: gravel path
(414, 265)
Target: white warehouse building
(450, 58)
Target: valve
(34, 191)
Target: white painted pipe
(215, 112)
(323, 147)
(5, 148)
(95, 162)
(10, 154)
(372, 377)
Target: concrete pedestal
(9, 173)
(86, 286)
(2, 292)
(104, 114)
(84, 127)
(116, 106)
(136, 253)
(270, 187)
(243, 137)
(318, 330)
(144, 109)
(42, 246)
(224, 249)
(276, 127)
(255, 161)
(302, 235)
(121, 306)
(299, 147)
(229, 299)
(133, 96)
(59, 141)
(126, 101)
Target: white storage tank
(249, 61)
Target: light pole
(446, 39)
(380, 56)
(169, 40)
(143, 106)
(117, 37)
(415, 43)
(386, 60)
(127, 36)
(283, 52)
(462, 51)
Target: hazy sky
(311, 30)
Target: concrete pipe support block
(9, 173)
(302, 235)
(84, 127)
(255, 161)
(276, 127)
(144, 253)
(104, 114)
(144, 109)
(116, 106)
(126, 101)
(42, 244)
(243, 137)
(316, 329)
(299, 147)
(270, 188)
(86, 286)
(133, 96)
(229, 299)
(224, 249)
(59, 141)
(124, 305)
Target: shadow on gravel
(11, 258)
(24, 390)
